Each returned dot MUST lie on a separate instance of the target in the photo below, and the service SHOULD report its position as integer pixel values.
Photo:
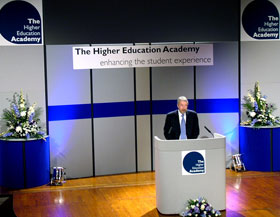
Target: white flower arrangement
(200, 208)
(258, 110)
(22, 119)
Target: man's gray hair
(182, 98)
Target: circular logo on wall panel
(20, 23)
(260, 20)
(193, 162)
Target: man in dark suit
(181, 123)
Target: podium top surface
(218, 142)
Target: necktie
(183, 128)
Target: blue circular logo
(20, 23)
(194, 163)
(260, 20)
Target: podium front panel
(173, 189)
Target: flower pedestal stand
(24, 163)
(260, 148)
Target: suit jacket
(172, 128)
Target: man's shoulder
(191, 113)
(172, 113)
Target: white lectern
(180, 176)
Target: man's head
(182, 104)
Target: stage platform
(248, 194)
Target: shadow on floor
(156, 213)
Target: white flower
(216, 214)
(21, 105)
(197, 204)
(192, 206)
(23, 113)
(203, 201)
(202, 207)
(189, 214)
(18, 129)
(252, 114)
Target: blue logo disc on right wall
(260, 20)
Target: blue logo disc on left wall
(20, 23)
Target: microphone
(209, 131)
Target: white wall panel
(144, 142)
(113, 85)
(172, 82)
(66, 86)
(114, 137)
(114, 141)
(70, 140)
(142, 77)
(70, 145)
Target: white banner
(130, 56)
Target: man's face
(182, 106)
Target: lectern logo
(193, 162)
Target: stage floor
(250, 194)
